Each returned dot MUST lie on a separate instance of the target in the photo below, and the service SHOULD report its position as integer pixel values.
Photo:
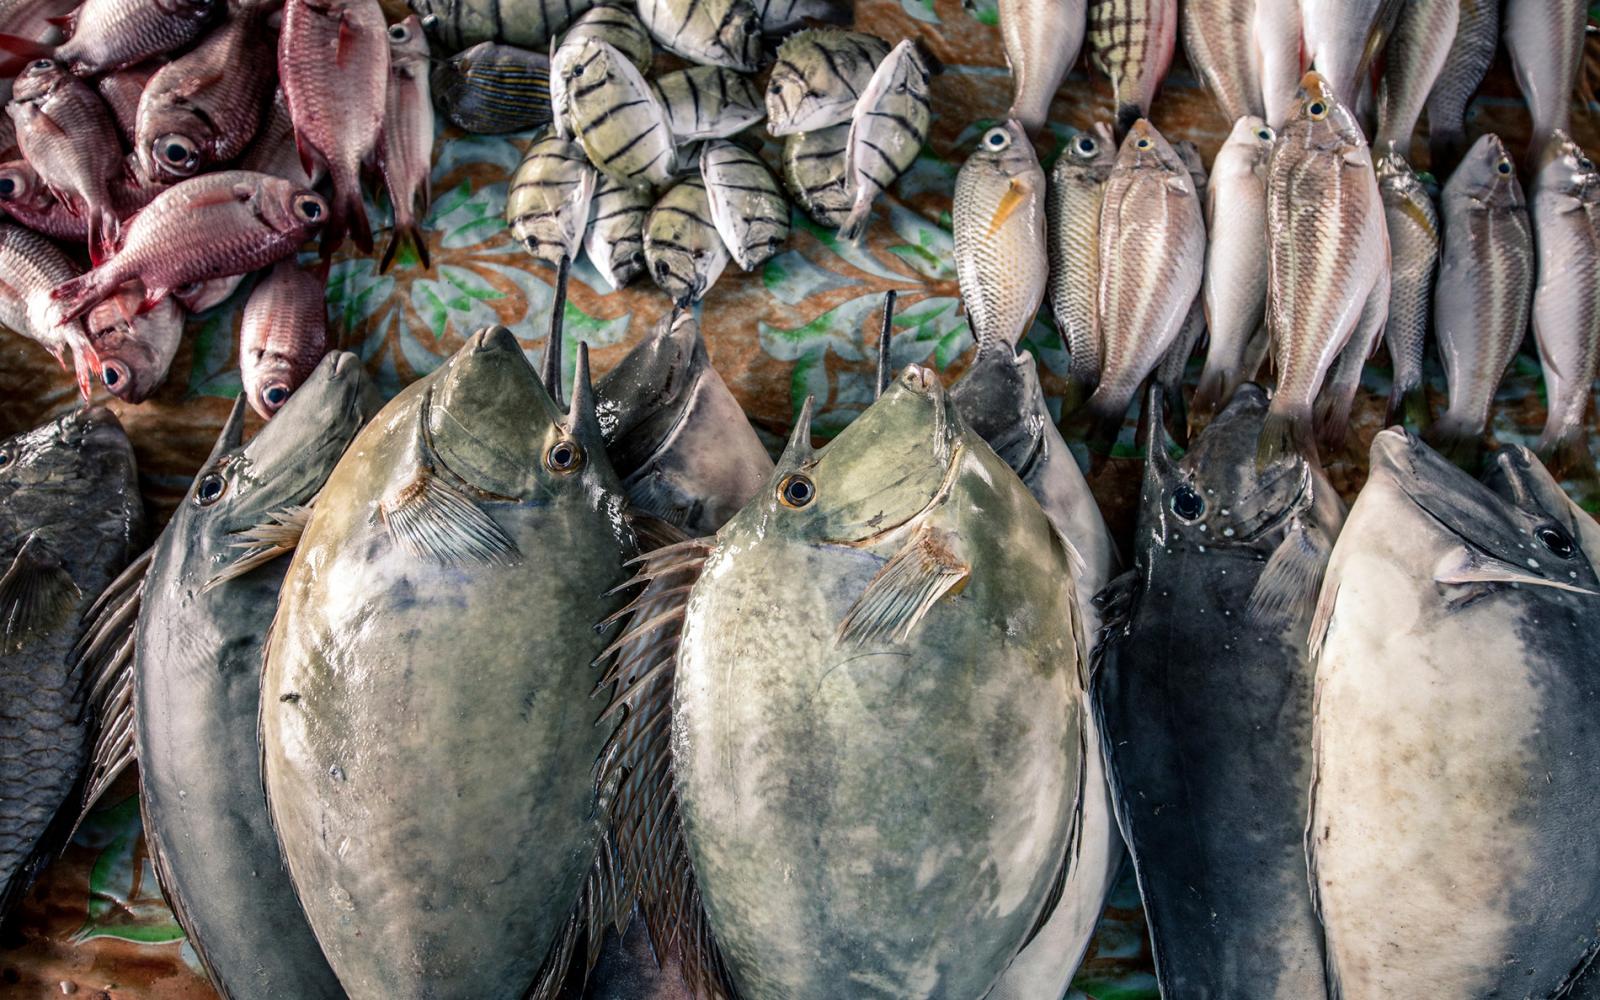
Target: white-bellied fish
(547, 203)
(31, 268)
(709, 102)
(1219, 39)
(887, 130)
(1546, 39)
(283, 335)
(747, 205)
(819, 75)
(1072, 215)
(1342, 37)
(1042, 40)
(1002, 265)
(709, 32)
(682, 250)
(1477, 38)
(405, 150)
(133, 344)
(1276, 31)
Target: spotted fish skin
(1413, 58)
(616, 115)
(709, 32)
(492, 88)
(614, 241)
(1072, 213)
(682, 250)
(617, 26)
(1545, 39)
(1131, 42)
(709, 102)
(747, 205)
(1042, 40)
(999, 220)
(1218, 36)
(1415, 235)
(1472, 50)
(816, 170)
(547, 204)
(531, 24)
(887, 130)
(818, 77)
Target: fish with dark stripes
(747, 205)
(614, 241)
(491, 88)
(459, 24)
(887, 130)
(782, 16)
(547, 205)
(616, 115)
(816, 171)
(819, 75)
(615, 25)
(1072, 222)
(709, 102)
(1131, 42)
(682, 249)
(709, 32)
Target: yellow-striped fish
(492, 88)
(709, 102)
(747, 206)
(547, 205)
(614, 242)
(818, 77)
(616, 115)
(682, 249)
(887, 130)
(1131, 42)
(817, 173)
(709, 32)
(607, 22)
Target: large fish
(492, 88)
(70, 520)
(1480, 303)
(1072, 218)
(617, 26)
(818, 77)
(282, 336)
(1203, 690)
(67, 134)
(614, 240)
(709, 102)
(1566, 300)
(1415, 235)
(747, 205)
(109, 35)
(1545, 39)
(135, 345)
(1219, 38)
(405, 149)
(1002, 264)
(709, 32)
(816, 170)
(616, 115)
(1342, 37)
(1471, 52)
(929, 743)
(1131, 42)
(183, 641)
(433, 763)
(31, 267)
(547, 204)
(682, 250)
(1042, 40)
(887, 131)
(460, 24)
(1413, 58)
(1456, 741)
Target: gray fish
(616, 26)
(460, 24)
(887, 131)
(547, 204)
(1415, 236)
(1131, 42)
(1412, 60)
(182, 690)
(70, 519)
(709, 102)
(1002, 264)
(747, 205)
(682, 249)
(779, 17)
(1072, 213)
(816, 170)
(405, 149)
(493, 88)
(614, 241)
(1477, 37)
(1456, 741)
(1042, 39)
(1203, 689)
(1546, 40)
(1219, 39)
(709, 32)
(819, 75)
(616, 114)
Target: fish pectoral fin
(277, 534)
(36, 595)
(905, 589)
(1181, 184)
(431, 520)
(1288, 584)
(1017, 194)
(1464, 567)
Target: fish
(448, 506)
(547, 204)
(1152, 252)
(818, 77)
(1042, 39)
(1327, 263)
(1131, 42)
(1471, 51)
(1219, 39)
(461, 24)
(67, 134)
(212, 226)
(135, 349)
(903, 865)
(1413, 58)
(283, 335)
(747, 205)
(675, 434)
(1566, 299)
(1234, 288)
(615, 25)
(121, 92)
(1342, 37)
(70, 519)
(208, 293)
(1485, 287)
(177, 649)
(682, 249)
(1275, 30)
(32, 20)
(816, 170)
(492, 88)
(614, 239)
(616, 115)
(405, 147)
(1072, 223)
(1002, 264)
(1203, 690)
(1546, 40)
(30, 268)
(1415, 235)
(1449, 817)
(336, 104)
(709, 102)
(780, 17)
(887, 131)
(25, 197)
(708, 32)
(108, 35)
(273, 151)
(204, 107)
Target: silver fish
(709, 102)
(747, 205)
(493, 88)
(461, 24)
(887, 131)
(709, 32)
(283, 336)
(1413, 58)
(1414, 240)
(1072, 213)
(547, 203)
(1545, 39)
(614, 240)
(617, 26)
(682, 250)
(779, 17)
(816, 170)
(135, 347)
(1343, 36)
(1002, 264)
(1477, 37)
(616, 115)
(819, 75)
(1042, 40)
(405, 149)
(200, 296)
(30, 268)
(1219, 38)
(1131, 42)
(1275, 29)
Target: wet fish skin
(1428, 890)
(887, 130)
(709, 102)
(405, 148)
(709, 32)
(493, 88)
(110, 35)
(1545, 39)
(1002, 264)
(1276, 31)
(818, 77)
(283, 335)
(747, 205)
(26, 198)
(135, 349)
(816, 170)
(615, 25)
(31, 20)
(67, 134)
(30, 268)
(1131, 42)
(1477, 37)
(1342, 37)
(1485, 285)
(273, 150)
(547, 204)
(1072, 214)
(121, 92)
(682, 249)
(1042, 40)
(1566, 298)
(1415, 235)
(616, 115)
(614, 240)
(779, 17)
(1218, 36)
(461, 24)
(1413, 58)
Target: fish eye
(8, 186)
(5, 459)
(276, 396)
(776, 90)
(996, 138)
(114, 375)
(1086, 145)
(1556, 540)
(753, 26)
(564, 456)
(210, 489)
(1584, 163)
(796, 490)
(1503, 167)
(400, 33)
(1317, 110)
(42, 64)
(1143, 144)
(1187, 504)
(1265, 134)
(310, 207)
(177, 153)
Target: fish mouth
(493, 339)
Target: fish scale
(1423, 36)
(115, 34)
(30, 267)
(283, 335)
(616, 26)
(1342, 36)
(998, 217)
(547, 203)
(67, 134)
(1131, 42)
(614, 241)
(1072, 212)
(818, 76)
(405, 151)
(1471, 51)
(1218, 36)
(616, 115)
(492, 89)
(1414, 239)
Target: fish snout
(494, 338)
(344, 363)
(1394, 449)
(920, 380)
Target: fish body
(547, 204)
(1485, 285)
(199, 296)
(461, 24)
(1471, 51)
(615, 25)
(816, 170)
(1448, 829)
(747, 205)
(1203, 689)
(25, 197)
(1072, 219)
(999, 220)
(121, 92)
(135, 348)
(779, 17)
(819, 76)
(493, 88)
(109, 35)
(405, 149)
(70, 519)
(616, 115)
(682, 250)
(283, 335)
(1219, 38)
(1343, 36)
(30, 268)
(273, 150)
(1415, 235)
(1413, 59)
(1545, 39)
(67, 134)
(1042, 40)
(708, 32)
(709, 102)
(1131, 42)
(1275, 29)
(614, 240)
(887, 130)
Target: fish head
(790, 103)
(21, 187)
(270, 380)
(1005, 151)
(1566, 169)
(198, 296)
(294, 212)
(1486, 175)
(739, 35)
(39, 79)
(1251, 140)
(172, 142)
(1319, 120)
(1145, 149)
(135, 348)
(65, 453)
(408, 45)
(640, 400)
(1092, 148)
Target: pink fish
(25, 197)
(108, 35)
(405, 151)
(135, 348)
(283, 336)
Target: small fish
(682, 250)
(109, 35)
(25, 197)
(709, 102)
(1072, 212)
(1545, 39)
(283, 335)
(405, 149)
(210, 226)
(1042, 40)
(618, 27)
(1566, 300)
(747, 205)
(1002, 264)
(547, 203)
(1131, 42)
(67, 134)
(34, 20)
(1412, 60)
(1485, 286)
(336, 103)
(818, 77)
(208, 293)
(616, 115)
(1343, 36)
(709, 32)
(1219, 38)
(816, 170)
(273, 150)
(135, 348)
(1275, 30)
(1472, 50)
(461, 24)
(1414, 241)
(887, 131)
(493, 88)
(780, 17)
(121, 92)
(30, 267)
(614, 240)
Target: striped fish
(682, 250)
(709, 32)
(779, 17)
(1072, 211)
(1414, 235)
(609, 23)
(547, 206)
(457, 24)
(887, 130)
(1131, 42)
(492, 88)
(1218, 36)
(816, 172)
(818, 77)
(615, 240)
(616, 115)
(1471, 52)
(747, 206)
(709, 102)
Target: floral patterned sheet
(804, 323)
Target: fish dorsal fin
(431, 520)
(885, 337)
(551, 369)
(798, 451)
(277, 534)
(582, 423)
(36, 595)
(906, 588)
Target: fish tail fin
(1099, 421)
(347, 215)
(1284, 435)
(1567, 454)
(400, 233)
(1406, 404)
(1332, 419)
(855, 224)
(1209, 397)
(78, 295)
(1457, 439)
